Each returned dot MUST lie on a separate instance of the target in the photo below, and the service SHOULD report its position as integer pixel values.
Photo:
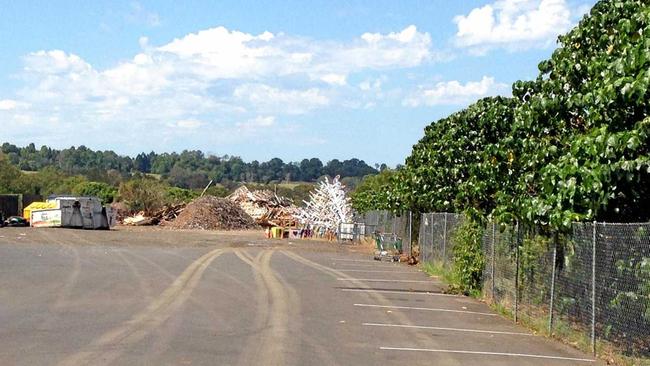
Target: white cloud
(513, 24)
(454, 92)
(8, 104)
(189, 124)
(138, 14)
(256, 124)
(268, 98)
(334, 79)
(206, 79)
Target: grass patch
(292, 185)
(448, 276)
(565, 332)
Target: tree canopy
(570, 145)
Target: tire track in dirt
(108, 347)
(421, 339)
(135, 272)
(71, 280)
(324, 357)
(269, 346)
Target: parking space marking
(376, 271)
(487, 353)
(384, 280)
(373, 265)
(405, 292)
(423, 309)
(445, 328)
(351, 260)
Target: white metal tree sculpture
(328, 206)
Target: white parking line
(397, 292)
(374, 265)
(487, 353)
(424, 309)
(376, 271)
(443, 328)
(351, 260)
(383, 280)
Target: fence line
(593, 282)
(386, 222)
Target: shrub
(143, 194)
(175, 195)
(103, 191)
(468, 256)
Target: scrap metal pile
(265, 207)
(327, 207)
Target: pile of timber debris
(266, 207)
(212, 213)
(163, 216)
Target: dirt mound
(212, 213)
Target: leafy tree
(375, 192)
(103, 191)
(583, 130)
(175, 195)
(143, 194)
(9, 176)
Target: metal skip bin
(46, 218)
(74, 212)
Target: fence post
(516, 271)
(444, 242)
(593, 288)
(431, 225)
(493, 260)
(410, 231)
(420, 233)
(550, 313)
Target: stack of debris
(328, 206)
(212, 213)
(267, 208)
(161, 217)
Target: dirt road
(159, 297)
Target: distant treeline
(188, 169)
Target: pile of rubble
(265, 207)
(163, 216)
(212, 213)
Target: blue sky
(262, 79)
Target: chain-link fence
(591, 283)
(387, 223)
(435, 237)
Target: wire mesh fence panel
(384, 222)
(573, 281)
(593, 280)
(535, 270)
(371, 221)
(451, 223)
(438, 238)
(426, 250)
(487, 246)
(504, 267)
(401, 230)
(623, 286)
(421, 234)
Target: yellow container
(276, 232)
(35, 206)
